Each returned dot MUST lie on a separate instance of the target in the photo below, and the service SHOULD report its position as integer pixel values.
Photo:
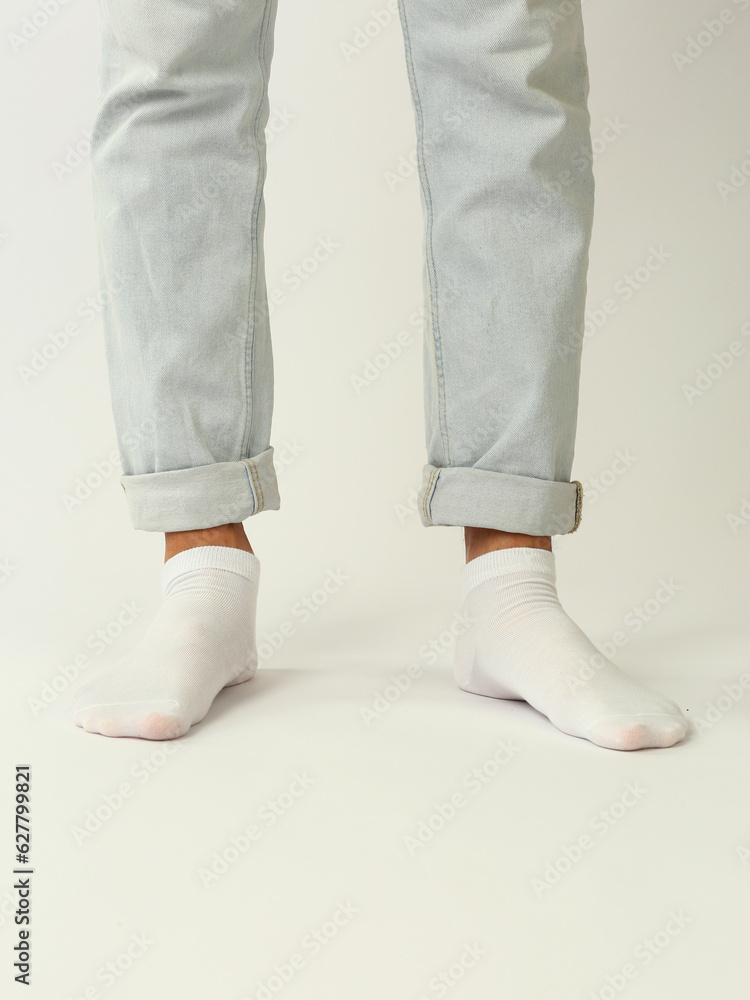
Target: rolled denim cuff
(485, 499)
(204, 496)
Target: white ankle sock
(201, 640)
(523, 645)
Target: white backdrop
(662, 443)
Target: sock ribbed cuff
(501, 562)
(226, 557)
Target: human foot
(522, 645)
(201, 640)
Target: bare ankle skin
(480, 540)
(232, 535)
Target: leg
(232, 535)
(178, 163)
(500, 102)
(500, 92)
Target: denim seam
(439, 372)
(579, 506)
(260, 487)
(255, 489)
(252, 291)
(427, 494)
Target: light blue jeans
(178, 159)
